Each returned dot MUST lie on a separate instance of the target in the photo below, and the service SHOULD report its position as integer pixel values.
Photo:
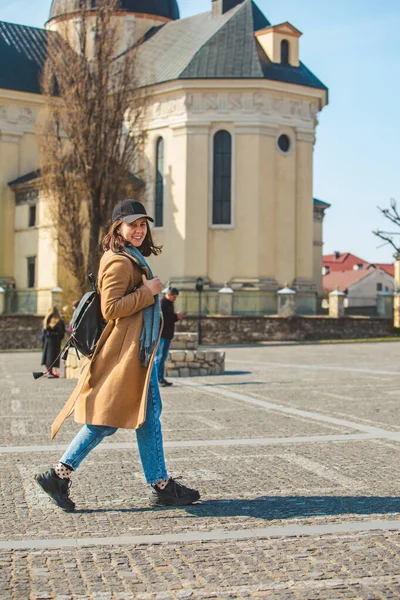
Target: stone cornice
(23, 97)
(239, 107)
(258, 85)
(11, 137)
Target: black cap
(130, 211)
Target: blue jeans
(161, 357)
(148, 436)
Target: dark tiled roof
(209, 46)
(218, 58)
(26, 178)
(22, 56)
(321, 203)
(204, 46)
(33, 175)
(162, 8)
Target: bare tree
(392, 215)
(88, 150)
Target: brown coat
(112, 389)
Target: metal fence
(20, 302)
(250, 303)
(359, 306)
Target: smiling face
(134, 233)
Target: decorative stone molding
(236, 105)
(20, 116)
(251, 102)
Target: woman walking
(119, 387)
(52, 335)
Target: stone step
(197, 363)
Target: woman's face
(135, 232)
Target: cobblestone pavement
(296, 451)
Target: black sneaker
(174, 494)
(165, 383)
(57, 489)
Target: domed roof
(161, 8)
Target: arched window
(222, 179)
(159, 195)
(285, 49)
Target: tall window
(285, 48)
(159, 195)
(32, 215)
(222, 179)
(31, 263)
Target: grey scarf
(151, 314)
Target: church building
(231, 129)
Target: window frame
(285, 44)
(159, 182)
(32, 208)
(31, 261)
(222, 127)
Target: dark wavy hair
(115, 242)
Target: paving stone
(244, 486)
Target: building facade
(231, 129)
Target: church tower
(133, 18)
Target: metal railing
(20, 302)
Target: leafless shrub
(91, 139)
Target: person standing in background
(52, 335)
(170, 318)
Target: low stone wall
(195, 363)
(20, 332)
(185, 341)
(23, 331)
(181, 363)
(241, 330)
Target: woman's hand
(154, 284)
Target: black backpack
(87, 325)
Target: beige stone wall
(272, 231)
(129, 28)
(271, 235)
(18, 155)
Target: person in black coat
(52, 334)
(170, 318)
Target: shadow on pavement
(274, 508)
(289, 507)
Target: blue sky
(353, 46)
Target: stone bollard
(56, 297)
(225, 301)
(384, 305)
(2, 300)
(336, 304)
(286, 302)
